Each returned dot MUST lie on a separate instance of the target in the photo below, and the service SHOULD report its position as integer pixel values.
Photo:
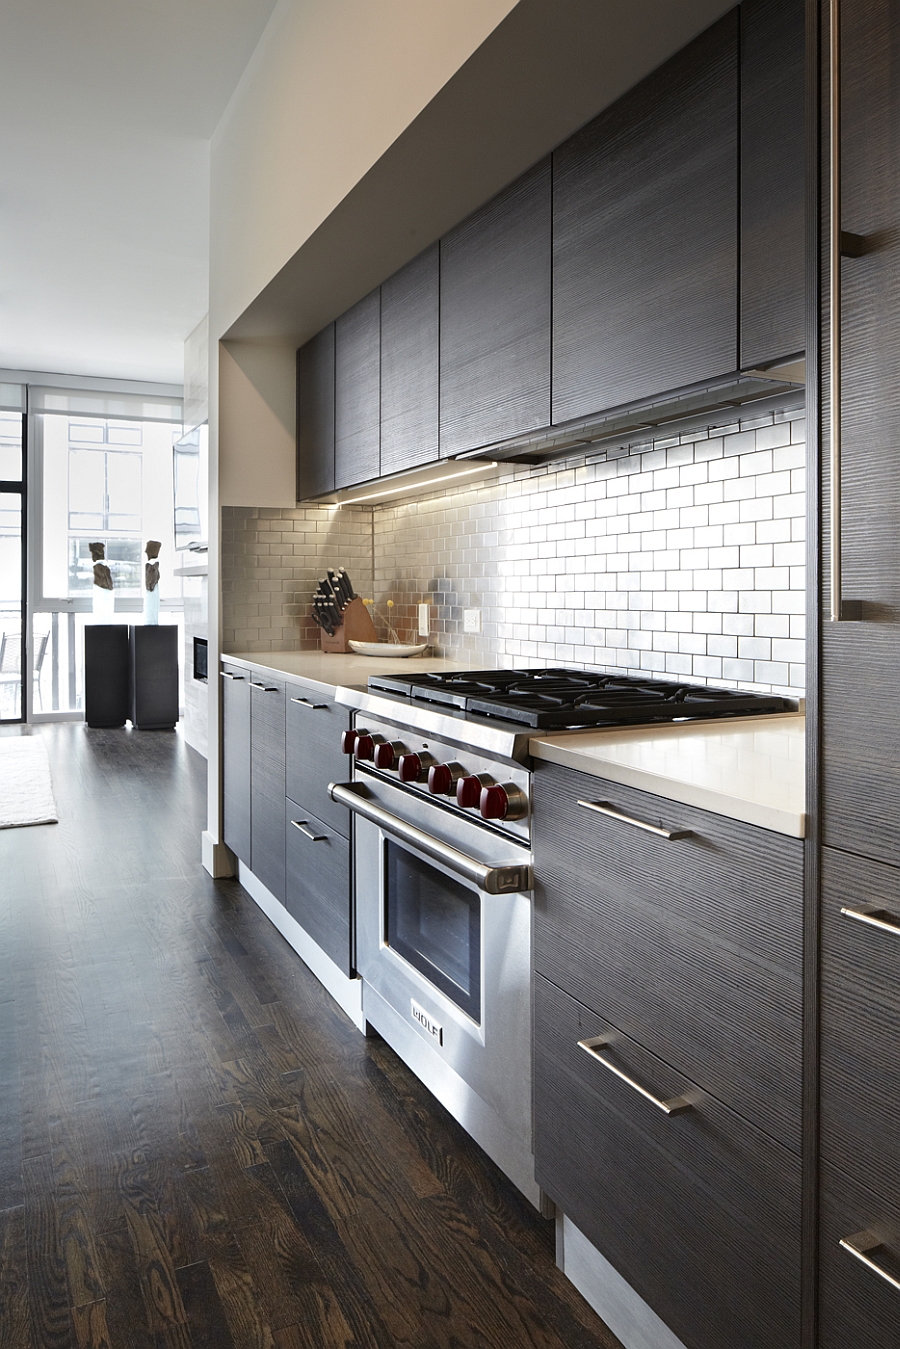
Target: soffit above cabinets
(542, 73)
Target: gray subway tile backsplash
(685, 558)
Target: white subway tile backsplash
(684, 559)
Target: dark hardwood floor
(196, 1147)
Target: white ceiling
(106, 111)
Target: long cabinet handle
(263, 688)
(225, 675)
(840, 244)
(316, 838)
(313, 707)
(880, 918)
(859, 1246)
(610, 811)
(494, 880)
(676, 1106)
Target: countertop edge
(704, 798)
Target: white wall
(327, 91)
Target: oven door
(446, 965)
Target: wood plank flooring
(197, 1149)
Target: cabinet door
(692, 946)
(267, 780)
(409, 364)
(315, 415)
(773, 279)
(645, 233)
(314, 725)
(317, 883)
(357, 382)
(860, 660)
(236, 760)
(698, 1210)
(860, 1020)
(859, 1309)
(495, 318)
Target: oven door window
(434, 923)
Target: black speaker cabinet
(106, 674)
(154, 678)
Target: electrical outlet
(471, 620)
(424, 628)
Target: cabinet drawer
(314, 725)
(236, 760)
(317, 891)
(698, 1210)
(860, 987)
(858, 1308)
(267, 780)
(692, 945)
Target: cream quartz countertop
(327, 671)
(749, 768)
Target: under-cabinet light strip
(482, 467)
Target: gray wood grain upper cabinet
(645, 235)
(236, 760)
(267, 694)
(315, 415)
(773, 277)
(357, 384)
(495, 318)
(409, 364)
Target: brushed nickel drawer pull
(313, 707)
(606, 808)
(859, 1245)
(873, 917)
(263, 688)
(226, 675)
(316, 838)
(675, 1106)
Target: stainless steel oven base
(510, 1152)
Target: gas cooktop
(555, 699)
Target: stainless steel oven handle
(506, 880)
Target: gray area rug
(26, 788)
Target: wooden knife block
(357, 625)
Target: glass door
(434, 923)
(12, 566)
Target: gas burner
(557, 699)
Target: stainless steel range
(441, 795)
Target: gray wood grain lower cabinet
(698, 1210)
(236, 760)
(674, 1145)
(267, 695)
(314, 722)
(317, 890)
(692, 946)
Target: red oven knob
(348, 742)
(387, 753)
(414, 767)
(468, 791)
(409, 767)
(443, 777)
(365, 745)
(502, 803)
